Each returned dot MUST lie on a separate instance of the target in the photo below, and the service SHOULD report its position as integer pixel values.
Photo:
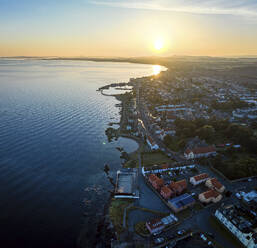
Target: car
(172, 236)
(211, 235)
(202, 236)
(156, 233)
(209, 243)
(181, 232)
(238, 196)
(159, 240)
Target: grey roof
(182, 200)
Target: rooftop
(216, 183)
(240, 217)
(182, 200)
(210, 193)
(199, 150)
(201, 176)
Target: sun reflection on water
(156, 69)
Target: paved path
(125, 214)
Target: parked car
(159, 240)
(181, 232)
(211, 235)
(156, 233)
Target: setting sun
(158, 44)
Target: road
(199, 220)
(145, 120)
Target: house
(213, 183)
(236, 220)
(166, 192)
(199, 179)
(199, 152)
(152, 178)
(181, 202)
(151, 143)
(178, 187)
(155, 226)
(162, 135)
(210, 196)
(156, 182)
(170, 117)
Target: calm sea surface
(53, 147)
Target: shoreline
(121, 134)
(105, 225)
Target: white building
(230, 217)
(199, 152)
(199, 179)
(151, 143)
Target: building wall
(192, 155)
(176, 210)
(157, 229)
(194, 182)
(210, 185)
(211, 199)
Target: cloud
(246, 8)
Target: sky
(128, 28)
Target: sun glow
(156, 69)
(158, 44)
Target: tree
(206, 132)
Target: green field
(152, 158)
(116, 210)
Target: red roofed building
(199, 152)
(154, 226)
(152, 178)
(165, 166)
(210, 196)
(157, 184)
(170, 117)
(166, 192)
(178, 187)
(213, 183)
(199, 178)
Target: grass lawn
(140, 228)
(225, 233)
(161, 214)
(116, 210)
(183, 214)
(151, 158)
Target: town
(192, 182)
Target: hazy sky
(127, 28)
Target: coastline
(105, 228)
